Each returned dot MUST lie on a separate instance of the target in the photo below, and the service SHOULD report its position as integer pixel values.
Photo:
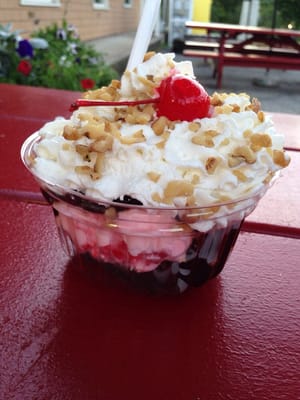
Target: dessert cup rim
(27, 147)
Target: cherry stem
(89, 103)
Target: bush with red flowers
(53, 57)
(24, 67)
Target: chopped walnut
(240, 175)
(211, 164)
(255, 105)
(194, 126)
(102, 144)
(160, 125)
(259, 140)
(137, 137)
(83, 150)
(178, 188)
(153, 176)
(99, 164)
(139, 114)
(203, 140)
(246, 153)
(86, 170)
(71, 133)
(280, 159)
(216, 99)
(261, 116)
(149, 55)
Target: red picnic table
(244, 46)
(73, 333)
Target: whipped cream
(109, 152)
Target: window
(42, 3)
(127, 3)
(101, 4)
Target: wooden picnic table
(244, 46)
(68, 333)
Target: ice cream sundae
(153, 177)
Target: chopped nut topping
(259, 140)
(194, 126)
(211, 164)
(83, 151)
(224, 109)
(93, 130)
(85, 170)
(216, 99)
(225, 142)
(211, 133)
(114, 129)
(149, 55)
(246, 153)
(99, 164)
(240, 175)
(279, 158)
(261, 116)
(105, 93)
(137, 137)
(235, 108)
(153, 176)
(178, 188)
(115, 84)
(203, 140)
(159, 125)
(139, 115)
(156, 197)
(191, 174)
(255, 106)
(71, 133)
(165, 137)
(195, 179)
(234, 161)
(247, 133)
(150, 85)
(103, 143)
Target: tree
(226, 11)
(288, 12)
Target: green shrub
(53, 57)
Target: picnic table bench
(244, 46)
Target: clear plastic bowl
(159, 249)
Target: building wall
(91, 23)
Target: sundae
(152, 177)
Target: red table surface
(34, 103)
(72, 333)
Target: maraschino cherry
(180, 98)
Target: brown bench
(248, 56)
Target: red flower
(24, 67)
(87, 83)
